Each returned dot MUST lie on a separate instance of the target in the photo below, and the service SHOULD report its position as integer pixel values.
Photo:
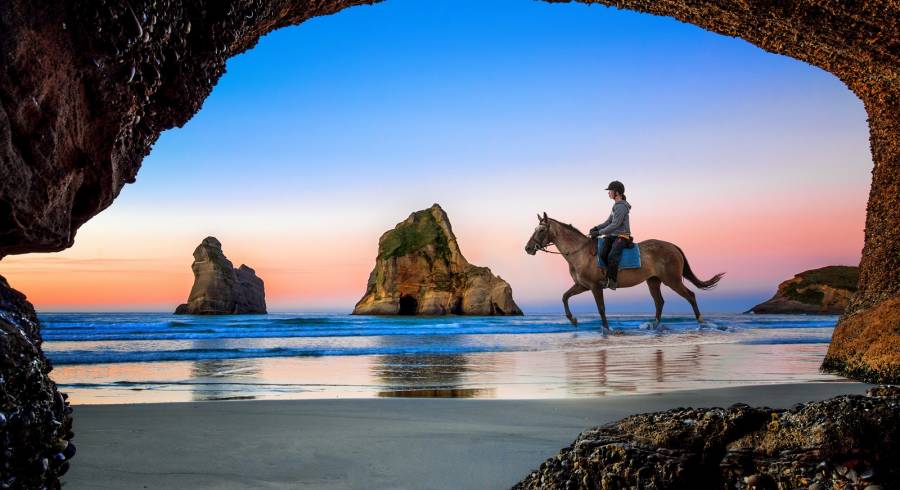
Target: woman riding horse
(617, 231)
(661, 263)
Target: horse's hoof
(573, 320)
(607, 331)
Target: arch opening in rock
(409, 305)
(101, 88)
(118, 95)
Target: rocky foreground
(420, 271)
(847, 442)
(35, 418)
(824, 291)
(220, 288)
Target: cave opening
(408, 305)
(451, 102)
(877, 258)
(457, 309)
(84, 205)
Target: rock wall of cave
(87, 87)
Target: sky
(327, 134)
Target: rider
(617, 230)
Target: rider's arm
(615, 221)
(602, 225)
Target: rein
(544, 249)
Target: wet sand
(642, 366)
(361, 443)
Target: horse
(661, 263)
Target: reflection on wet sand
(438, 393)
(222, 379)
(425, 376)
(642, 370)
(577, 373)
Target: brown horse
(661, 263)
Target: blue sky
(327, 134)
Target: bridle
(564, 254)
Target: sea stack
(420, 271)
(219, 288)
(825, 291)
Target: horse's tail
(688, 274)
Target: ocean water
(152, 357)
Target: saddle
(595, 250)
(631, 255)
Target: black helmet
(616, 186)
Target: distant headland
(825, 291)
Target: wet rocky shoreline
(35, 417)
(846, 442)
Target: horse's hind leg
(575, 289)
(687, 294)
(601, 307)
(653, 283)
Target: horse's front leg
(601, 307)
(575, 289)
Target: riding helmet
(616, 186)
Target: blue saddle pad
(631, 257)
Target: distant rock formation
(420, 271)
(824, 291)
(219, 288)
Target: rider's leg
(607, 246)
(612, 270)
(604, 254)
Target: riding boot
(612, 270)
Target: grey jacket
(617, 223)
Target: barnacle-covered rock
(848, 441)
(35, 418)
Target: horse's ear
(539, 218)
(545, 215)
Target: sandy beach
(368, 443)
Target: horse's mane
(567, 226)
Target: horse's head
(541, 237)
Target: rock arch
(87, 87)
